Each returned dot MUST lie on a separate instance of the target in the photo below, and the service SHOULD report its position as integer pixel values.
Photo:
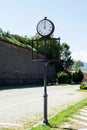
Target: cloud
(80, 55)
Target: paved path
(20, 107)
(77, 122)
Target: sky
(69, 17)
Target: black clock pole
(45, 121)
(45, 29)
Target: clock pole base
(45, 122)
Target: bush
(78, 76)
(83, 85)
(64, 77)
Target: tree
(66, 59)
(53, 48)
(4, 33)
(78, 76)
(1, 31)
(77, 64)
(8, 34)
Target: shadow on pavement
(7, 87)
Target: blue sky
(69, 17)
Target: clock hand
(44, 24)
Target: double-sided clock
(45, 27)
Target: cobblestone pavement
(77, 122)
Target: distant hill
(85, 66)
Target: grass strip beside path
(62, 116)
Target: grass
(62, 116)
(82, 90)
(13, 41)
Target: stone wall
(16, 67)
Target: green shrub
(77, 76)
(83, 86)
(64, 77)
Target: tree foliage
(53, 48)
(78, 76)
(4, 33)
(64, 77)
(77, 64)
(66, 59)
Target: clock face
(45, 27)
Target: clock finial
(45, 18)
